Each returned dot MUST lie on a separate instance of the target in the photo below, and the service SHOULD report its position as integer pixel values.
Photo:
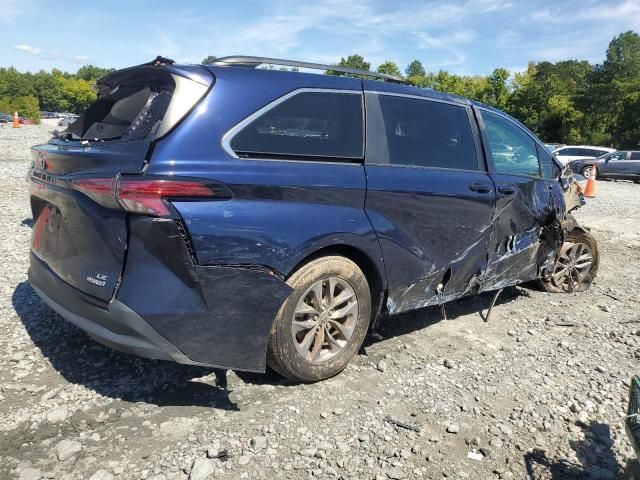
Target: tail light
(147, 196)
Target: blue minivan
(241, 217)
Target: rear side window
(308, 124)
(512, 149)
(420, 133)
(589, 152)
(635, 156)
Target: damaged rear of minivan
(89, 192)
(238, 217)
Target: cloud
(626, 9)
(54, 56)
(447, 43)
(370, 27)
(554, 54)
(28, 49)
(593, 26)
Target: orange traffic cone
(16, 120)
(590, 189)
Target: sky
(466, 37)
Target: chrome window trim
(228, 136)
(419, 97)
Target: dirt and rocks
(540, 391)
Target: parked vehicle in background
(238, 217)
(552, 147)
(623, 164)
(26, 121)
(575, 152)
(5, 118)
(67, 120)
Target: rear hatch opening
(138, 103)
(86, 181)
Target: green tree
(77, 94)
(26, 106)
(496, 92)
(91, 72)
(612, 91)
(448, 82)
(208, 60)
(424, 81)
(352, 61)
(549, 99)
(14, 83)
(623, 57)
(415, 69)
(389, 68)
(47, 91)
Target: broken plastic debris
(475, 455)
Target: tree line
(570, 101)
(55, 91)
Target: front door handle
(507, 189)
(480, 187)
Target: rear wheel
(576, 264)
(324, 321)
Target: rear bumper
(168, 308)
(114, 325)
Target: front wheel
(576, 264)
(323, 322)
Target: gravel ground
(539, 391)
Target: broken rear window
(130, 111)
(138, 103)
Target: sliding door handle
(507, 189)
(480, 187)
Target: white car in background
(569, 153)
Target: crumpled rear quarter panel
(217, 315)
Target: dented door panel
(519, 246)
(433, 231)
(529, 209)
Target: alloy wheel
(572, 266)
(324, 320)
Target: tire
(322, 358)
(586, 171)
(577, 244)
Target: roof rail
(253, 62)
